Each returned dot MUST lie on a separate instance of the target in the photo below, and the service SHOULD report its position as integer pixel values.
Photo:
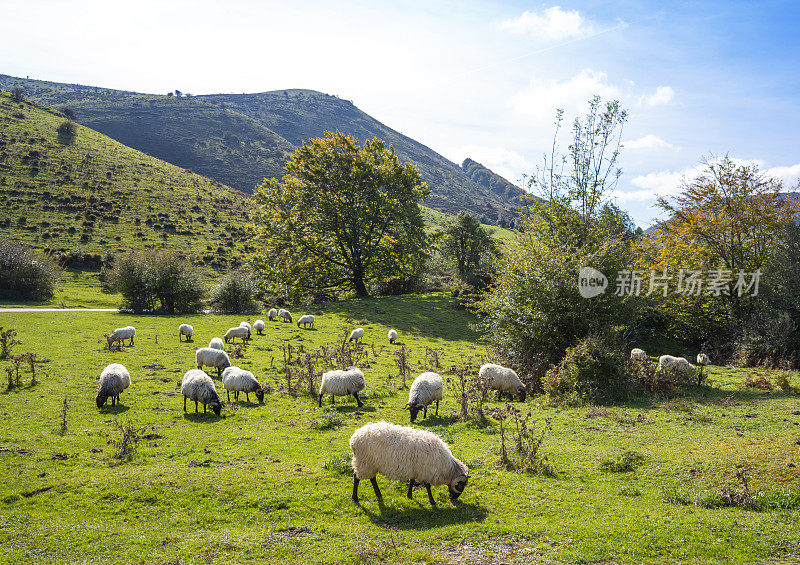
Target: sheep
(405, 454)
(502, 379)
(424, 390)
(306, 320)
(638, 354)
(249, 328)
(342, 383)
(259, 326)
(185, 330)
(680, 364)
(113, 380)
(356, 335)
(703, 359)
(238, 331)
(198, 386)
(211, 357)
(216, 343)
(120, 335)
(392, 336)
(272, 314)
(285, 315)
(238, 380)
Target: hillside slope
(61, 192)
(490, 180)
(238, 139)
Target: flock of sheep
(670, 363)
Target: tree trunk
(358, 284)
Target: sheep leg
(430, 495)
(355, 488)
(247, 394)
(437, 407)
(333, 399)
(195, 407)
(360, 404)
(425, 412)
(410, 486)
(184, 404)
(229, 394)
(320, 403)
(374, 482)
(204, 408)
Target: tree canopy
(470, 247)
(345, 216)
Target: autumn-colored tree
(345, 216)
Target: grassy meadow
(268, 483)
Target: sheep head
(216, 407)
(457, 485)
(413, 410)
(260, 395)
(100, 399)
(522, 392)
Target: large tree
(346, 215)
(470, 247)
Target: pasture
(269, 483)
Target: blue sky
(470, 78)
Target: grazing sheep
(113, 380)
(502, 379)
(680, 364)
(120, 335)
(210, 357)
(392, 336)
(356, 335)
(342, 383)
(638, 354)
(272, 314)
(239, 331)
(285, 315)
(306, 320)
(248, 326)
(198, 386)
(216, 343)
(238, 380)
(405, 454)
(259, 326)
(424, 390)
(185, 330)
(703, 359)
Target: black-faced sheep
(239, 331)
(392, 336)
(210, 357)
(356, 335)
(238, 380)
(185, 330)
(342, 383)
(113, 380)
(502, 379)
(259, 326)
(425, 389)
(306, 320)
(198, 386)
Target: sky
(467, 78)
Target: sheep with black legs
(120, 335)
(342, 383)
(356, 335)
(502, 379)
(679, 364)
(425, 389)
(638, 354)
(272, 315)
(113, 380)
(209, 357)
(306, 320)
(405, 454)
(216, 343)
(238, 380)
(198, 386)
(185, 330)
(285, 315)
(239, 331)
(259, 326)
(249, 328)
(392, 336)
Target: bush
(25, 275)
(157, 282)
(235, 293)
(67, 129)
(591, 371)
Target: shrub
(235, 293)
(67, 130)
(591, 371)
(17, 94)
(25, 275)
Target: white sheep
(198, 386)
(356, 335)
(238, 380)
(680, 364)
(638, 354)
(405, 454)
(247, 325)
(502, 379)
(185, 330)
(210, 357)
(306, 320)
(392, 336)
(703, 359)
(239, 331)
(285, 315)
(120, 335)
(425, 389)
(259, 326)
(216, 343)
(113, 380)
(272, 314)
(342, 383)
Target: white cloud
(505, 162)
(542, 97)
(551, 24)
(789, 175)
(648, 142)
(662, 95)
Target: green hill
(238, 139)
(490, 180)
(61, 192)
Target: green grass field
(269, 483)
